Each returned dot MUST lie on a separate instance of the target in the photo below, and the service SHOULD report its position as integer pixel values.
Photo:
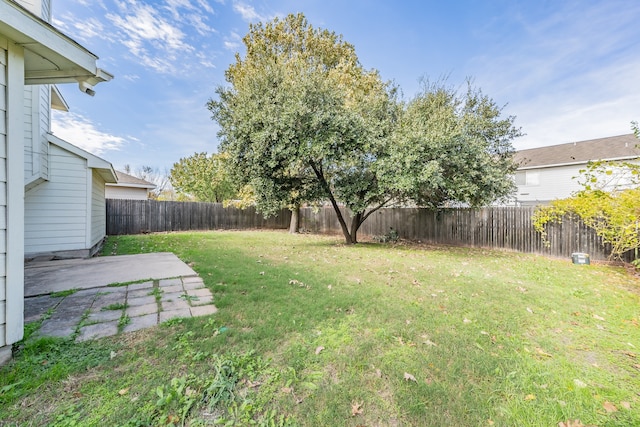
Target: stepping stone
(133, 302)
(98, 330)
(202, 301)
(141, 322)
(172, 314)
(204, 292)
(104, 316)
(35, 307)
(170, 282)
(142, 310)
(172, 289)
(175, 305)
(137, 293)
(203, 310)
(173, 296)
(138, 286)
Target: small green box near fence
(580, 258)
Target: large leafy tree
(302, 118)
(203, 177)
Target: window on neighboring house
(527, 178)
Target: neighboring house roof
(126, 180)
(103, 167)
(49, 55)
(622, 147)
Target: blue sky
(569, 70)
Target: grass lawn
(314, 333)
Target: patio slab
(89, 280)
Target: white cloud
(148, 36)
(81, 132)
(564, 80)
(232, 42)
(248, 12)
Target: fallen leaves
(409, 377)
(530, 397)
(319, 349)
(609, 407)
(541, 352)
(356, 408)
(123, 391)
(595, 316)
(569, 423)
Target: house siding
(126, 193)
(557, 182)
(98, 210)
(3, 198)
(64, 199)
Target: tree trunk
(355, 224)
(294, 225)
(345, 231)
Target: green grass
(314, 333)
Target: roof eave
(583, 162)
(50, 56)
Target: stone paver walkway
(105, 311)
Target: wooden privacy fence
(492, 227)
(148, 216)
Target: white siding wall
(3, 198)
(56, 211)
(128, 193)
(547, 184)
(552, 183)
(98, 210)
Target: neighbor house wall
(546, 184)
(126, 193)
(64, 200)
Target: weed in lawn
(123, 321)
(115, 306)
(64, 293)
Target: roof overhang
(103, 167)
(57, 101)
(584, 162)
(49, 55)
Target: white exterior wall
(547, 184)
(37, 123)
(552, 183)
(127, 193)
(3, 199)
(11, 195)
(56, 211)
(98, 210)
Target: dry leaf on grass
(541, 352)
(625, 405)
(319, 349)
(530, 397)
(356, 408)
(609, 407)
(595, 316)
(123, 391)
(409, 377)
(569, 423)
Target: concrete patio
(93, 298)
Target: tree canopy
(203, 177)
(302, 119)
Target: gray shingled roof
(611, 148)
(126, 179)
